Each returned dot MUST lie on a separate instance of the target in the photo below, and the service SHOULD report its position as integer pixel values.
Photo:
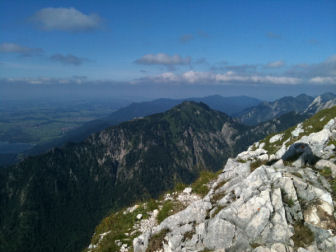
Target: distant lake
(9, 148)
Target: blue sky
(169, 42)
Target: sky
(170, 48)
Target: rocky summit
(261, 201)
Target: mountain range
(265, 111)
(52, 201)
(247, 110)
(260, 201)
(228, 105)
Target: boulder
(300, 151)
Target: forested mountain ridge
(52, 202)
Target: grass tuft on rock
(206, 250)
(217, 196)
(297, 174)
(254, 165)
(303, 236)
(200, 186)
(313, 124)
(169, 208)
(255, 245)
(188, 235)
(286, 199)
(219, 185)
(117, 225)
(218, 209)
(156, 241)
(326, 172)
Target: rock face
(300, 151)
(324, 101)
(269, 110)
(253, 206)
(302, 104)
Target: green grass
(206, 250)
(219, 185)
(332, 141)
(155, 242)
(326, 172)
(179, 187)
(303, 236)
(217, 196)
(152, 204)
(241, 161)
(309, 126)
(169, 208)
(200, 185)
(286, 199)
(118, 224)
(254, 165)
(188, 235)
(255, 245)
(218, 209)
(289, 202)
(297, 174)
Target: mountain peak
(253, 205)
(113, 168)
(186, 105)
(324, 101)
(328, 96)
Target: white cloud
(275, 64)
(18, 49)
(193, 77)
(47, 80)
(65, 19)
(163, 59)
(323, 80)
(232, 77)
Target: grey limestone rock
(257, 209)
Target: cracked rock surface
(277, 207)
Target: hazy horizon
(145, 93)
(167, 49)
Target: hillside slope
(261, 201)
(53, 201)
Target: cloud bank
(65, 19)
(20, 50)
(275, 64)
(163, 59)
(193, 77)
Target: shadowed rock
(300, 150)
